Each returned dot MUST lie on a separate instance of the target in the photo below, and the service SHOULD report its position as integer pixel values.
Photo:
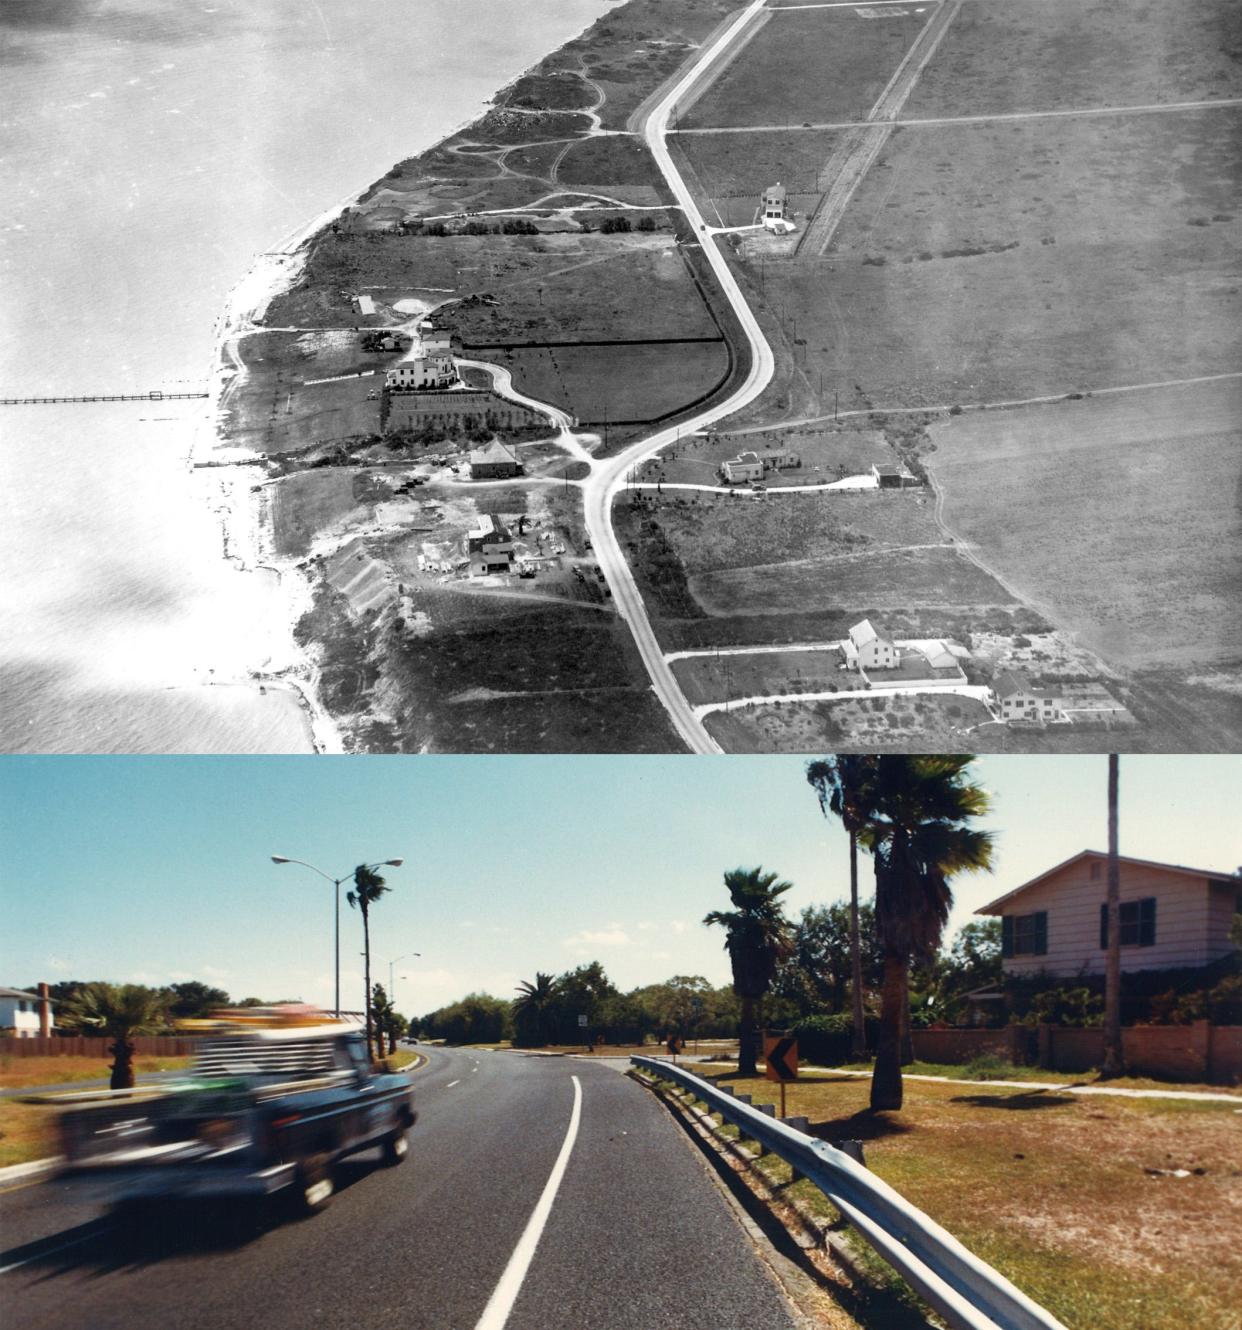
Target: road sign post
(780, 1055)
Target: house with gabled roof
(1172, 917)
(865, 649)
(1017, 699)
(494, 461)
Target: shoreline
(246, 527)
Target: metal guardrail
(966, 1291)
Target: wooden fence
(161, 1045)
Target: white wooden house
(1171, 917)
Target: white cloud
(213, 972)
(612, 936)
(56, 963)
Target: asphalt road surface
(539, 1194)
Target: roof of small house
(776, 191)
(888, 469)
(492, 452)
(994, 907)
(862, 633)
(23, 993)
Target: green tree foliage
(367, 889)
(816, 976)
(120, 1012)
(191, 999)
(916, 827)
(757, 939)
(478, 1018)
(534, 1011)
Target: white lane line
(450, 1085)
(47, 1251)
(496, 1313)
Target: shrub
(988, 1067)
(827, 1039)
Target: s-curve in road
(608, 478)
(540, 1193)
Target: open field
(809, 66)
(1072, 54)
(620, 383)
(307, 502)
(826, 454)
(18, 1072)
(714, 678)
(27, 1132)
(1118, 514)
(927, 723)
(1064, 1195)
(989, 262)
(1008, 1072)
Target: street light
(336, 883)
(392, 995)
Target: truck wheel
(313, 1187)
(396, 1147)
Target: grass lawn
(1088, 506)
(19, 1072)
(1062, 1194)
(815, 65)
(27, 1132)
(1008, 1072)
(712, 678)
(1071, 54)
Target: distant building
(865, 649)
(745, 467)
(366, 306)
(27, 1015)
(494, 462)
(779, 459)
(1171, 917)
(1018, 699)
(489, 547)
(773, 207)
(429, 364)
(889, 475)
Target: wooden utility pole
(1112, 965)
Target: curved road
(636, 1233)
(608, 476)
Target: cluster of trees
(547, 1010)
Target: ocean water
(149, 149)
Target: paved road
(637, 1236)
(608, 478)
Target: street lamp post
(336, 886)
(392, 995)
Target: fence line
(966, 1291)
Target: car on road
(275, 1099)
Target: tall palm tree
(532, 1008)
(368, 888)
(757, 940)
(120, 1012)
(841, 784)
(1112, 962)
(916, 831)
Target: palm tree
(757, 940)
(916, 830)
(120, 1012)
(368, 888)
(533, 1007)
(1112, 963)
(841, 785)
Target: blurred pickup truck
(264, 1110)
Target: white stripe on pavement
(496, 1313)
(450, 1085)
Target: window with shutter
(1006, 935)
(1041, 933)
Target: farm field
(620, 384)
(714, 678)
(809, 65)
(1118, 514)
(1073, 54)
(733, 170)
(995, 262)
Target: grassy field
(928, 723)
(1073, 54)
(1118, 513)
(713, 678)
(307, 502)
(1007, 1072)
(620, 383)
(19, 1072)
(1064, 1195)
(809, 66)
(826, 454)
(993, 262)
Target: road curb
(27, 1172)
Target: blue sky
(157, 869)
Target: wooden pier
(102, 397)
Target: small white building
(489, 546)
(745, 468)
(429, 364)
(25, 1015)
(865, 649)
(774, 206)
(1017, 699)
